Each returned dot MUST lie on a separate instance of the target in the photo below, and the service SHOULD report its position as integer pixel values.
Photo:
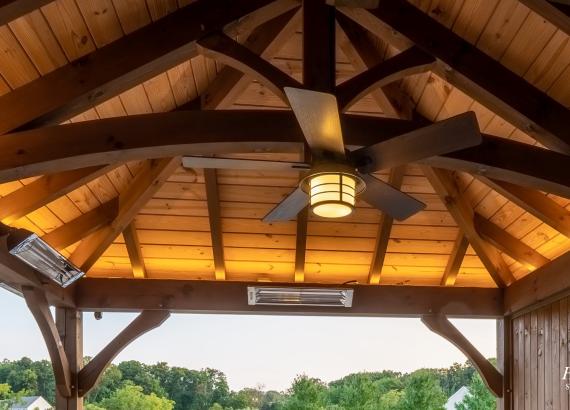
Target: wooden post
(69, 324)
(504, 361)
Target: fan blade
(289, 207)
(318, 115)
(453, 134)
(238, 163)
(390, 200)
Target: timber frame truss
(210, 27)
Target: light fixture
(292, 296)
(32, 250)
(332, 189)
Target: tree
(23, 380)
(423, 391)
(355, 391)
(91, 406)
(306, 394)
(111, 380)
(272, 400)
(479, 397)
(141, 375)
(391, 400)
(131, 397)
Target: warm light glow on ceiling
(332, 194)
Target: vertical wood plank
(563, 352)
(527, 361)
(516, 362)
(555, 355)
(540, 384)
(547, 358)
(533, 360)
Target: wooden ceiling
(155, 219)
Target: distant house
(32, 403)
(456, 398)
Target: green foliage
(131, 397)
(134, 385)
(479, 397)
(423, 391)
(111, 380)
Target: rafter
(228, 131)
(467, 68)
(12, 9)
(408, 62)
(535, 203)
(455, 260)
(129, 61)
(142, 188)
(229, 52)
(83, 225)
(555, 13)
(39, 307)
(46, 189)
(231, 297)
(143, 323)
(505, 242)
(264, 41)
(544, 285)
(439, 324)
(134, 251)
(384, 229)
(352, 40)
(215, 219)
(447, 189)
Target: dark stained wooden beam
(439, 324)
(143, 323)
(69, 323)
(535, 203)
(354, 41)
(551, 11)
(83, 225)
(505, 242)
(121, 139)
(12, 9)
(408, 62)
(142, 188)
(484, 160)
(215, 218)
(39, 307)
(384, 229)
(46, 189)
(455, 260)
(227, 51)
(468, 68)
(264, 41)
(504, 361)
(127, 62)
(319, 60)
(446, 187)
(541, 287)
(231, 297)
(134, 251)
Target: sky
(260, 351)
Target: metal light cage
(32, 250)
(293, 296)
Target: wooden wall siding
(173, 226)
(540, 355)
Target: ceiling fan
(335, 177)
